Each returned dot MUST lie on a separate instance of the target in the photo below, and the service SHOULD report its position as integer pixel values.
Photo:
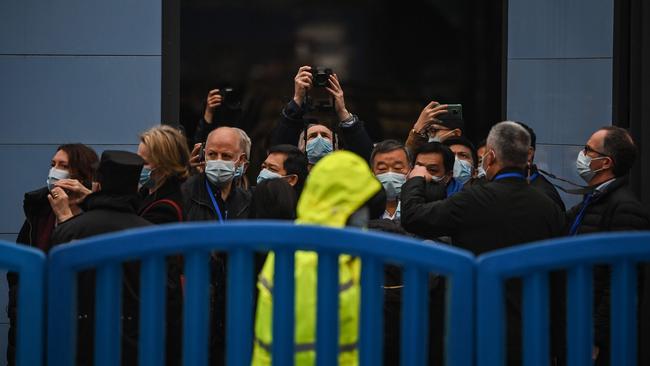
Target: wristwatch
(420, 134)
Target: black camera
(321, 76)
(230, 98)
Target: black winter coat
(153, 207)
(483, 218)
(157, 208)
(105, 213)
(614, 209)
(354, 137)
(543, 185)
(199, 207)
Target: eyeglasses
(434, 130)
(588, 149)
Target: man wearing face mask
(504, 212)
(285, 162)
(604, 164)
(292, 124)
(390, 163)
(436, 161)
(211, 195)
(465, 158)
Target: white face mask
(583, 166)
(437, 179)
(392, 183)
(56, 175)
(462, 170)
(438, 138)
(266, 174)
(220, 172)
(482, 173)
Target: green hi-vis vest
(306, 273)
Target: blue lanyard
(533, 177)
(453, 187)
(578, 220)
(214, 202)
(509, 175)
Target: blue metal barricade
(105, 254)
(29, 264)
(532, 263)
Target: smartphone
(202, 153)
(454, 111)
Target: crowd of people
(436, 186)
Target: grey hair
(244, 142)
(510, 143)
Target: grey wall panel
(560, 28)
(97, 100)
(560, 160)
(4, 328)
(563, 100)
(29, 165)
(122, 27)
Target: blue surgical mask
(145, 178)
(56, 175)
(583, 166)
(481, 171)
(317, 148)
(266, 174)
(392, 183)
(462, 170)
(239, 171)
(220, 172)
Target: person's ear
(292, 179)
(531, 155)
(608, 163)
(96, 187)
(456, 132)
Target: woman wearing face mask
(164, 150)
(166, 156)
(71, 169)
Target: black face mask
(359, 218)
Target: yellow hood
(336, 187)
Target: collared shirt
(395, 216)
(603, 186)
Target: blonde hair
(168, 152)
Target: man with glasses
(604, 164)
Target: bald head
(224, 143)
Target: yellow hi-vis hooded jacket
(337, 186)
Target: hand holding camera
(428, 116)
(302, 84)
(336, 91)
(213, 101)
